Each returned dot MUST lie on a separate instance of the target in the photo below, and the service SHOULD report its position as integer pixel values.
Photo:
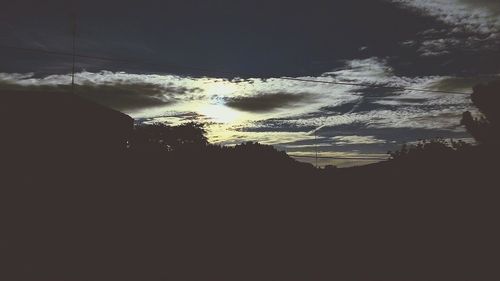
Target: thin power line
(200, 69)
(74, 53)
(65, 54)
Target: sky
(223, 63)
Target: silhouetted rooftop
(58, 120)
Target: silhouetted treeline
(159, 137)
(188, 141)
(167, 205)
(484, 128)
(426, 150)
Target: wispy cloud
(473, 25)
(478, 16)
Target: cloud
(437, 47)
(124, 92)
(126, 97)
(473, 25)
(478, 16)
(378, 71)
(265, 102)
(356, 139)
(390, 135)
(351, 139)
(462, 83)
(378, 107)
(370, 70)
(123, 97)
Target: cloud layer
(472, 25)
(349, 120)
(478, 16)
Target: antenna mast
(73, 16)
(316, 146)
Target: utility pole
(73, 16)
(316, 146)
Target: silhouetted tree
(260, 153)
(486, 128)
(160, 137)
(429, 149)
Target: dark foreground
(74, 209)
(148, 217)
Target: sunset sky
(222, 63)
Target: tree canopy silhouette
(159, 137)
(485, 128)
(429, 149)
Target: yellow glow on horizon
(220, 113)
(215, 109)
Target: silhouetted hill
(178, 208)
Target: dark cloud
(277, 125)
(363, 105)
(309, 146)
(396, 135)
(460, 83)
(266, 102)
(123, 97)
(379, 92)
(175, 118)
(126, 97)
(384, 139)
